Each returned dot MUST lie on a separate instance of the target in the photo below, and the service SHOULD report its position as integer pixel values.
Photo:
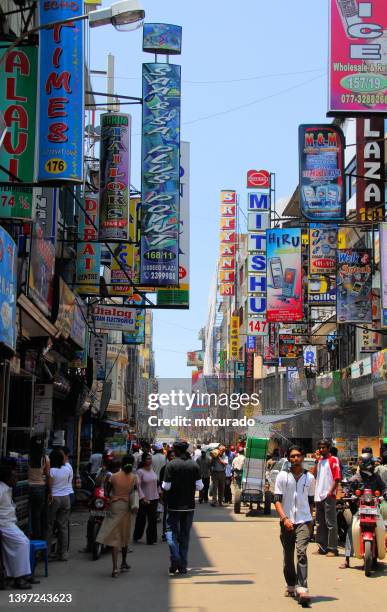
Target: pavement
(236, 564)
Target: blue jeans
(178, 530)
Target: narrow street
(236, 564)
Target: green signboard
(18, 88)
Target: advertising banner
(322, 249)
(180, 296)
(228, 201)
(379, 372)
(45, 205)
(71, 317)
(98, 350)
(370, 161)
(234, 338)
(357, 74)
(251, 344)
(162, 39)
(322, 291)
(383, 269)
(289, 349)
(321, 166)
(369, 339)
(160, 183)
(195, 358)
(88, 249)
(114, 317)
(114, 187)
(137, 336)
(292, 379)
(8, 287)
(310, 356)
(284, 296)
(42, 270)
(61, 92)
(18, 78)
(270, 346)
(258, 179)
(354, 286)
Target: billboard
(42, 270)
(284, 276)
(354, 286)
(8, 287)
(228, 204)
(322, 291)
(61, 92)
(98, 350)
(322, 248)
(160, 175)
(114, 317)
(18, 77)
(162, 38)
(114, 184)
(370, 160)
(357, 71)
(321, 172)
(88, 250)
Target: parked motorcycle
(99, 505)
(344, 518)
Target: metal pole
(111, 102)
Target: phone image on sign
(289, 282)
(276, 272)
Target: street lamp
(125, 15)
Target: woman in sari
(116, 527)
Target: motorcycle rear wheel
(368, 558)
(97, 547)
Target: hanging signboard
(322, 248)
(8, 287)
(42, 270)
(322, 291)
(18, 78)
(292, 378)
(284, 296)
(321, 167)
(258, 179)
(162, 38)
(289, 349)
(71, 317)
(137, 336)
(195, 358)
(88, 249)
(160, 183)
(379, 372)
(114, 317)
(98, 350)
(114, 185)
(369, 339)
(234, 338)
(370, 160)
(383, 272)
(61, 93)
(357, 74)
(45, 205)
(251, 344)
(228, 202)
(354, 286)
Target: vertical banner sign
(61, 93)
(125, 262)
(98, 350)
(18, 77)
(322, 248)
(370, 159)
(358, 47)
(321, 170)
(234, 338)
(228, 203)
(114, 187)
(88, 249)
(42, 269)
(284, 295)
(354, 286)
(180, 296)
(160, 183)
(8, 286)
(383, 272)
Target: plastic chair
(36, 545)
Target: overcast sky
(252, 71)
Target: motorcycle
(98, 508)
(344, 518)
(368, 529)
(84, 490)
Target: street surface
(236, 564)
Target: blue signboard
(138, 335)
(160, 175)
(61, 68)
(162, 38)
(251, 344)
(7, 290)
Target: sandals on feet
(124, 567)
(115, 573)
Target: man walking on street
(328, 476)
(293, 496)
(237, 467)
(218, 473)
(204, 463)
(181, 480)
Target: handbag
(134, 500)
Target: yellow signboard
(234, 338)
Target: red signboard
(258, 179)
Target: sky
(252, 71)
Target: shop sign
(88, 249)
(290, 349)
(322, 249)
(322, 291)
(98, 350)
(370, 160)
(195, 358)
(114, 317)
(162, 38)
(228, 201)
(354, 286)
(234, 338)
(137, 336)
(18, 77)
(61, 93)
(357, 73)
(379, 372)
(251, 344)
(8, 283)
(160, 175)
(258, 179)
(71, 318)
(42, 270)
(114, 187)
(321, 167)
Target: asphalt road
(236, 564)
